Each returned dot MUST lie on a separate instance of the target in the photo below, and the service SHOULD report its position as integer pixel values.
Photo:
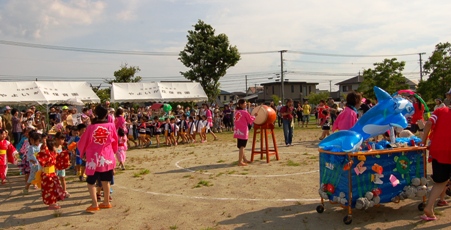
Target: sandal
(441, 203)
(66, 194)
(99, 197)
(105, 206)
(92, 209)
(427, 218)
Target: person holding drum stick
(242, 120)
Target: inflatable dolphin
(389, 112)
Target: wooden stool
(264, 131)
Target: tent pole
(47, 118)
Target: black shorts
(414, 128)
(440, 172)
(103, 176)
(325, 128)
(241, 143)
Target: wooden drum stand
(264, 130)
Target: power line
(351, 55)
(105, 51)
(176, 54)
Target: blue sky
(334, 27)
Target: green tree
(386, 75)
(275, 99)
(314, 98)
(208, 57)
(123, 75)
(438, 67)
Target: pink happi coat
(242, 121)
(99, 143)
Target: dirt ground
(199, 186)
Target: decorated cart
(366, 179)
(357, 173)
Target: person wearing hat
(7, 122)
(439, 104)
(447, 100)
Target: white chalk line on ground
(218, 198)
(247, 175)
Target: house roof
(289, 83)
(354, 80)
(254, 89)
(222, 92)
(359, 79)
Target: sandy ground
(199, 186)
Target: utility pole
(330, 86)
(421, 67)
(245, 79)
(281, 75)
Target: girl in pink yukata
(98, 145)
(122, 148)
(242, 122)
(7, 152)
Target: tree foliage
(208, 57)
(438, 67)
(123, 75)
(386, 75)
(314, 98)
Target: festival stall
(158, 92)
(357, 173)
(46, 92)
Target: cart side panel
(403, 165)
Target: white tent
(158, 92)
(46, 92)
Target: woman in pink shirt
(241, 130)
(348, 117)
(119, 120)
(98, 145)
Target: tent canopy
(46, 92)
(158, 92)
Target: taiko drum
(264, 115)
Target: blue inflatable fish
(389, 112)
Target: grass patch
(292, 163)
(231, 172)
(173, 227)
(220, 161)
(203, 183)
(312, 157)
(141, 173)
(244, 173)
(188, 176)
(219, 174)
(305, 154)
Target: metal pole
(281, 75)
(421, 67)
(245, 79)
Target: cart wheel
(421, 206)
(347, 220)
(320, 208)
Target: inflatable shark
(389, 112)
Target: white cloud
(340, 27)
(38, 18)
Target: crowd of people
(94, 143)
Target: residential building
(296, 90)
(354, 83)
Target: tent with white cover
(158, 92)
(46, 92)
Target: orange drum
(264, 115)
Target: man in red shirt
(287, 118)
(440, 152)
